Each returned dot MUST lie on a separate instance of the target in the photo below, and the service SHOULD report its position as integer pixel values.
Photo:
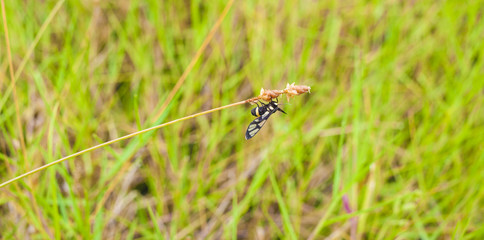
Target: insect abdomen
(255, 111)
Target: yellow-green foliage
(395, 120)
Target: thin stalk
(12, 84)
(117, 140)
(31, 50)
(195, 58)
(291, 90)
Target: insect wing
(254, 127)
(257, 124)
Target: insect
(262, 113)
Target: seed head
(291, 90)
(294, 90)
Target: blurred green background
(395, 120)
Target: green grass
(395, 120)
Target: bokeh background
(388, 145)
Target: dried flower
(268, 95)
(291, 90)
(294, 90)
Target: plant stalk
(116, 140)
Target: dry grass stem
(195, 58)
(291, 90)
(12, 85)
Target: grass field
(388, 145)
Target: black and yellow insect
(262, 113)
